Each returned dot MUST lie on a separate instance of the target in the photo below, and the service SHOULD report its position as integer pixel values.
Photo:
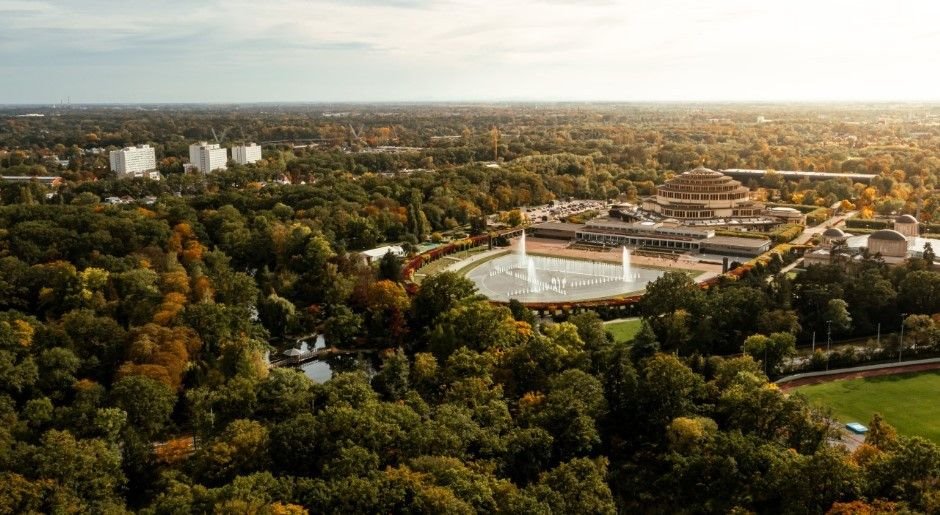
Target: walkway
(463, 263)
(809, 232)
(883, 369)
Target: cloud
(464, 49)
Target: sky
(460, 50)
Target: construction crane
(355, 135)
(218, 139)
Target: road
(809, 232)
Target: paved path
(473, 259)
(924, 365)
(809, 232)
(617, 320)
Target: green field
(624, 330)
(909, 402)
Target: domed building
(702, 194)
(888, 243)
(906, 225)
(833, 234)
(893, 246)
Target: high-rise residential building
(207, 157)
(246, 154)
(133, 160)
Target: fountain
(535, 278)
(531, 278)
(522, 256)
(625, 260)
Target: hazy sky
(413, 50)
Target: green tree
(438, 294)
(148, 403)
(837, 311)
(390, 267)
(342, 326)
(392, 379)
(770, 350)
(577, 486)
(277, 314)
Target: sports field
(624, 330)
(909, 402)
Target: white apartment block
(133, 160)
(246, 154)
(206, 157)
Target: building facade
(894, 246)
(208, 157)
(133, 160)
(651, 236)
(246, 154)
(702, 194)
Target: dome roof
(784, 210)
(905, 219)
(887, 234)
(701, 170)
(833, 232)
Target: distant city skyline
(216, 51)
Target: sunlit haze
(423, 50)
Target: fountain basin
(537, 278)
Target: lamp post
(828, 341)
(901, 343)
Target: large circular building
(702, 194)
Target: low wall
(799, 378)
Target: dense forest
(133, 336)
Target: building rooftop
(834, 232)
(887, 234)
(906, 219)
(799, 174)
(735, 241)
(381, 251)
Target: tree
(770, 350)
(438, 294)
(242, 448)
(84, 471)
(386, 304)
(392, 379)
(277, 314)
(390, 267)
(667, 390)
(667, 295)
(929, 256)
(285, 392)
(881, 434)
(474, 323)
(574, 402)
(919, 292)
(837, 311)
(592, 332)
(577, 486)
(921, 331)
(342, 326)
(148, 403)
(778, 321)
(521, 313)
(644, 344)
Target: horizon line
(472, 101)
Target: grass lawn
(624, 330)
(909, 402)
(439, 265)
